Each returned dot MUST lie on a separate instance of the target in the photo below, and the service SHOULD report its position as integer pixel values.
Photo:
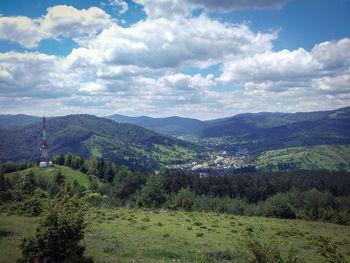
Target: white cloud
(119, 3)
(271, 72)
(173, 44)
(333, 84)
(35, 75)
(62, 20)
(176, 8)
(225, 6)
(22, 30)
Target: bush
(205, 259)
(58, 236)
(268, 252)
(328, 250)
(33, 206)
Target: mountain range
(258, 131)
(146, 142)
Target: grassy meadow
(128, 235)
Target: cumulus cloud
(293, 77)
(62, 20)
(162, 43)
(289, 66)
(35, 75)
(173, 8)
(22, 30)
(136, 70)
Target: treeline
(313, 195)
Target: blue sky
(203, 59)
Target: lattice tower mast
(44, 154)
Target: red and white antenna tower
(44, 155)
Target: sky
(202, 59)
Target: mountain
(9, 121)
(261, 132)
(88, 135)
(176, 126)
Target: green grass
(12, 230)
(331, 157)
(49, 174)
(124, 235)
(96, 153)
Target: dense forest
(312, 195)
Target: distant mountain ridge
(181, 126)
(259, 131)
(174, 125)
(9, 121)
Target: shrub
(205, 259)
(58, 236)
(199, 234)
(33, 206)
(268, 252)
(328, 250)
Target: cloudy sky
(192, 58)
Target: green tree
(153, 193)
(59, 178)
(185, 198)
(4, 193)
(68, 159)
(59, 234)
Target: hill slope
(87, 135)
(331, 157)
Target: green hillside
(123, 235)
(331, 157)
(87, 136)
(48, 174)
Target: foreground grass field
(125, 235)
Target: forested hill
(175, 125)
(324, 124)
(10, 121)
(337, 121)
(266, 131)
(88, 135)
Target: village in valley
(217, 162)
